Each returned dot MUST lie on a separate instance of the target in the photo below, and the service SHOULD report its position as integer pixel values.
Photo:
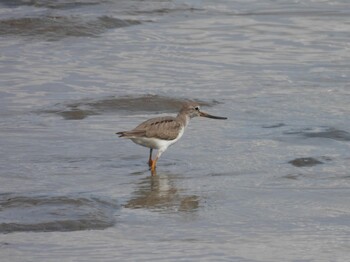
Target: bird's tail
(121, 134)
(130, 134)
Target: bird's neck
(183, 119)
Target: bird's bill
(211, 116)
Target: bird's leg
(154, 162)
(150, 161)
(153, 166)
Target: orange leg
(150, 161)
(153, 166)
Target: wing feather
(166, 128)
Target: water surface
(271, 183)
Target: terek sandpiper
(162, 132)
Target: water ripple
(81, 109)
(58, 27)
(54, 213)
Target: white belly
(156, 143)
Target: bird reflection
(159, 193)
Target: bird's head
(192, 109)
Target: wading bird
(162, 132)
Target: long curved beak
(211, 116)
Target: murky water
(271, 183)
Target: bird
(161, 132)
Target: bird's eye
(197, 108)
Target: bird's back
(166, 128)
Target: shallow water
(270, 183)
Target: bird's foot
(153, 173)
